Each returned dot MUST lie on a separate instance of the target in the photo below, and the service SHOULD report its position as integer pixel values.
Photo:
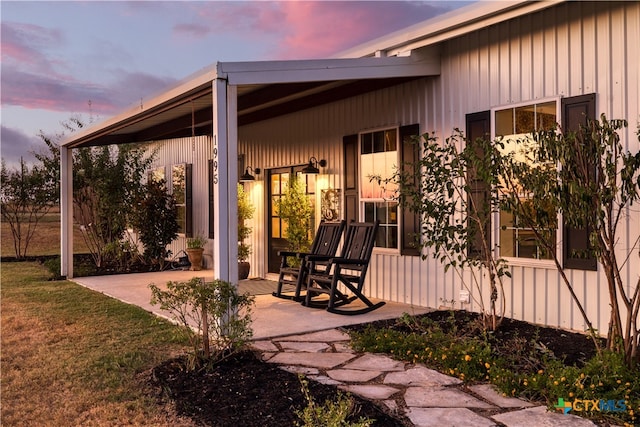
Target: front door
(278, 181)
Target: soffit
(265, 90)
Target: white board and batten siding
(566, 50)
(195, 151)
(572, 49)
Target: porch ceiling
(265, 90)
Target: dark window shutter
(350, 143)
(478, 126)
(211, 207)
(409, 154)
(576, 250)
(188, 180)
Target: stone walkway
(426, 397)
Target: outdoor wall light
(312, 167)
(247, 175)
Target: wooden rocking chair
(349, 269)
(325, 244)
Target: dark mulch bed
(245, 391)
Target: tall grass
(71, 356)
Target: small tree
(107, 182)
(245, 212)
(295, 209)
(216, 317)
(594, 187)
(156, 218)
(440, 187)
(26, 196)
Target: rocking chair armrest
(312, 257)
(348, 261)
(287, 253)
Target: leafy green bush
(155, 216)
(331, 414)
(216, 318)
(122, 254)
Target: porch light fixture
(312, 167)
(247, 175)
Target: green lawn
(71, 356)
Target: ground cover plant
(522, 360)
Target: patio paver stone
(425, 397)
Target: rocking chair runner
(349, 269)
(324, 244)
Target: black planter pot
(243, 270)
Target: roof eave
(444, 27)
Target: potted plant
(295, 208)
(195, 248)
(245, 212)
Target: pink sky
(93, 59)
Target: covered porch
(272, 317)
(219, 102)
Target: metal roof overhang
(265, 90)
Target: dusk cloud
(97, 58)
(306, 29)
(17, 144)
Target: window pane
(515, 239)
(525, 119)
(378, 142)
(504, 122)
(366, 143)
(507, 246)
(369, 212)
(311, 183)
(546, 116)
(157, 174)
(393, 213)
(179, 183)
(182, 218)
(275, 228)
(380, 163)
(390, 140)
(392, 237)
(275, 183)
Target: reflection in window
(179, 186)
(157, 174)
(379, 158)
(516, 126)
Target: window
(181, 187)
(516, 125)
(157, 174)
(379, 157)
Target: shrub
(216, 318)
(156, 218)
(518, 368)
(331, 414)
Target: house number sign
(215, 160)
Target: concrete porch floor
(272, 317)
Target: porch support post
(66, 212)
(225, 172)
